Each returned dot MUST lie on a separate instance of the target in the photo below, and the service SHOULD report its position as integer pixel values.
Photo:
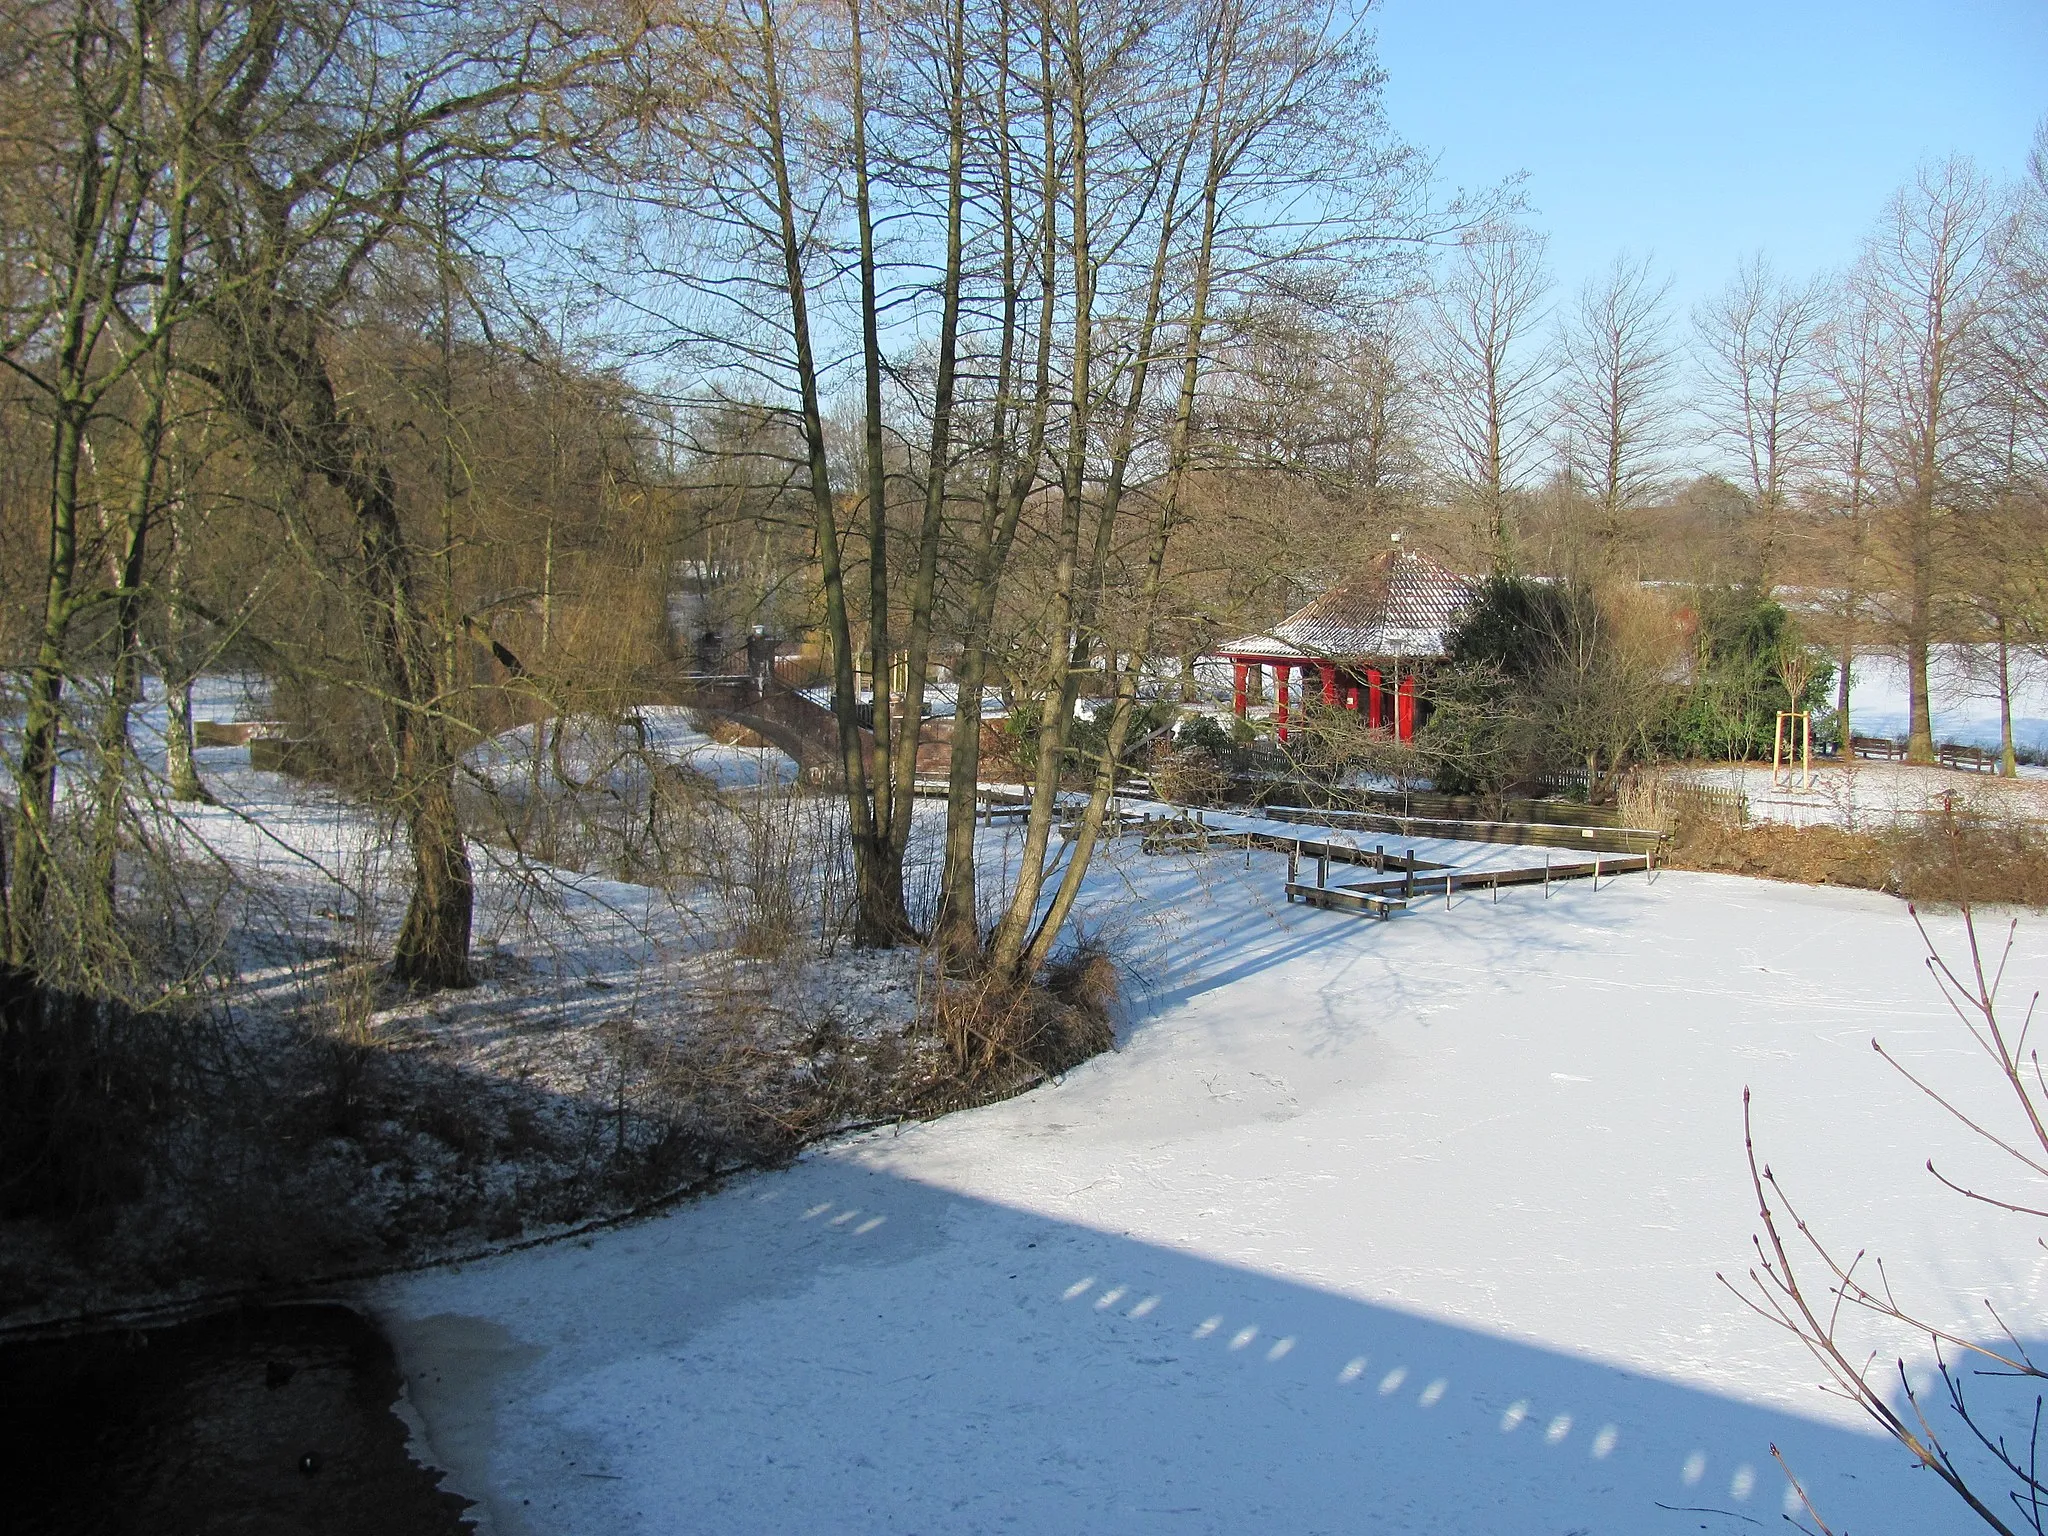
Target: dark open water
(272, 1420)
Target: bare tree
(122, 147)
(1805, 1286)
(1847, 459)
(1269, 109)
(2013, 544)
(1927, 275)
(2020, 337)
(1757, 343)
(1615, 403)
(330, 162)
(1489, 371)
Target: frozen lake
(1396, 1227)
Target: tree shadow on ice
(1220, 943)
(837, 1348)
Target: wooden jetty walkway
(1534, 834)
(1399, 878)
(1383, 897)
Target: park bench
(1975, 759)
(1877, 746)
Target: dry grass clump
(1773, 851)
(1953, 858)
(1972, 859)
(1000, 1038)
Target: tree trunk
(2008, 760)
(183, 770)
(125, 685)
(1127, 677)
(874, 923)
(883, 918)
(957, 929)
(924, 582)
(278, 383)
(433, 944)
(36, 773)
(1844, 731)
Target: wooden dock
(1533, 834)
(1384, 897)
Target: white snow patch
(1343, 1136)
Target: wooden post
(1323, 868)
(1596, 871)
(1546, 875)
(1379, 859)
(1237, 689)
(1247, 850)
(1294, 861)
(1447, 890)
(1408, 877)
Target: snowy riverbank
(1402, 1227)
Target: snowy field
(1366, 1227)
(1394, 1227)
(1867, 795)
(527, 754)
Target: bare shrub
(1772, 851)
(1955, 858)
(996, 1032)
(1190, 776)
(79, 1092)
(105, 1038)
(1086, 985)
(1960, 858)
(1803, 1284)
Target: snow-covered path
(1368, 1227)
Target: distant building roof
(1402, 604)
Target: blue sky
(1702, 132)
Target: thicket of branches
(406, 356)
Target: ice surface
(1366, 1227)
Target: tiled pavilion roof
(1402, 604)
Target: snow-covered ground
(1397, 1227)
(1409, 1226)
(613, 752)
(1868, 795)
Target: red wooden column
(1329, 684)
(1237, 690)
(1351, 694)
(1281, 673)
(1405, 711)
(1375, 715)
